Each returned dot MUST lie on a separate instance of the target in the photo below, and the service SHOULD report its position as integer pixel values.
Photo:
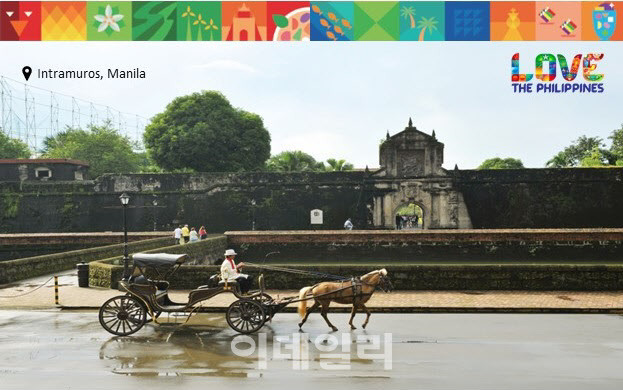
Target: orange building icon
(244, 26)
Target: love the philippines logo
(546, 67)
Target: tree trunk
(422, 32)
(412, 21)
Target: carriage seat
(230, 283)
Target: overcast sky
(334, 99)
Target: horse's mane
(382, 271)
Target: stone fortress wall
(411, 172)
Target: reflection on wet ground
(51, 349)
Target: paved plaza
(73, 297)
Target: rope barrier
(29, 292)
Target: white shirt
(228, 270)
(348, 225)
(178, 233)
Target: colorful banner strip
(309, 21)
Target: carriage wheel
(245, 316)
(122, 315)
(265, 301)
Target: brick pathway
(72, 296)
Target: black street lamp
(155, 204)
(253, 203)
(125, 199)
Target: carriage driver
(230, 272)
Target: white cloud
(228, 65)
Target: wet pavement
(69, 350)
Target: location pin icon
(27, 71)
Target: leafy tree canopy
(591, 152)
(102, 147)
(616, 148)
(574, 155)
(294, 161)
(338, 165)
(203, 132)
(12, 147)
(501, 163)
(298, 161)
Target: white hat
(230, 252)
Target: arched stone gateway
(411, 172)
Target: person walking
(203, 234)
(186, 234)
(193, 235)
(398, 222)
(177, 234)
(348, 225)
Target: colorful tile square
(289, 21)
(422, 20)
(332, 21)
(558, 21)
(315, 20)
(109, 21)
(467, 21)
(600, 21)
(513, 20)
(244, 21)
(376, 21)
(154, 20)
(199, 21)
(20, 21)
(63, 21)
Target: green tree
(334, 165)
(203, 132)
(616, 148)
(573, 154)
(501, 163)
(595, 158)
(12, 147)
(102, 147)
(294, 161)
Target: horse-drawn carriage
(146, 297)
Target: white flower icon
(108, 20)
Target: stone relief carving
(409, 167)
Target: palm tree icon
(429, 25)
(408, 13)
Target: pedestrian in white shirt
(230, 271)
(177, 234)
(348, 225)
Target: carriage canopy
(158, 260)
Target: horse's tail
(303, 302)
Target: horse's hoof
(352, 327)
(301, 325)
(364, 325)
(334, 329)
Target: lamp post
(253, 203)
(125, 199)
(155, 203)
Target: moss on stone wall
(107, 272)
(13, 270)
(9, 204)
(529, 277)
(529, 198)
